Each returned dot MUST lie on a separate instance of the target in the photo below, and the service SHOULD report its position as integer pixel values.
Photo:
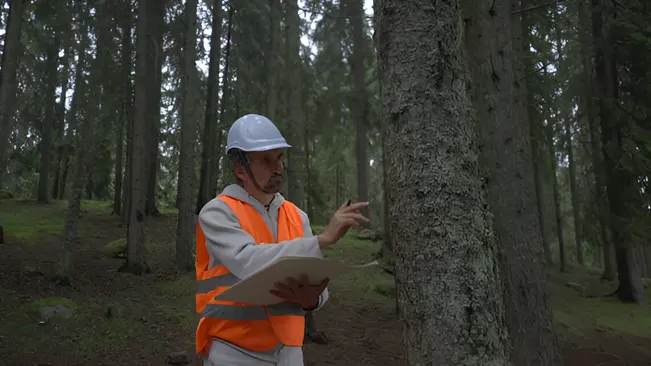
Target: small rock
(316, 337)
(178, 358)
(32, 271)
(48, 312)
(576, 286)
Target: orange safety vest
(254, 327)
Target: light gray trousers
(222, 354)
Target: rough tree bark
(500, 97)
(448, 281)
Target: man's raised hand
(347, 216)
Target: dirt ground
(128, 320)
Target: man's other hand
(300, 291)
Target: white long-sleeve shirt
(230, 245)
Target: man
(246, 227)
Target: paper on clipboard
(255, 289)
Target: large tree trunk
(11, 54)
(621, 184)
(186, 222)
(500, 102)
(136, 250)
(448, 283)
(210, 160)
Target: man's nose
(279, 167)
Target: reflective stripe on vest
(253, 327)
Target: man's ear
(239, 171)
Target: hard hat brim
(262, 148)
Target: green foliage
(30, 221)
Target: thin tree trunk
(125, 105)
(210, 161)
(11, 55)
(45, 146)
(186, 222)
(359, 99)
(576, 208)
(557, 199)
(155, 27)
(295, 169)
(567, 132)
(61, 119)
(73, 115)
(83, 155)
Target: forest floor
(120, 319)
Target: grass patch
(370, 284)
(182, 311)
(623, 318)
(30, 221)
(564, 319)
(52, 301)
(583, 314)
(87, 333)
(183, 286)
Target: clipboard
(255, 288)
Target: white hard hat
(254, 132)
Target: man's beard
(274, 184)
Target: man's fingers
(350, 222)
(304, 280)
(282, 286)
(355, 206)
(352, 207)
(355, 216)
(283, 295)
(292, 282)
